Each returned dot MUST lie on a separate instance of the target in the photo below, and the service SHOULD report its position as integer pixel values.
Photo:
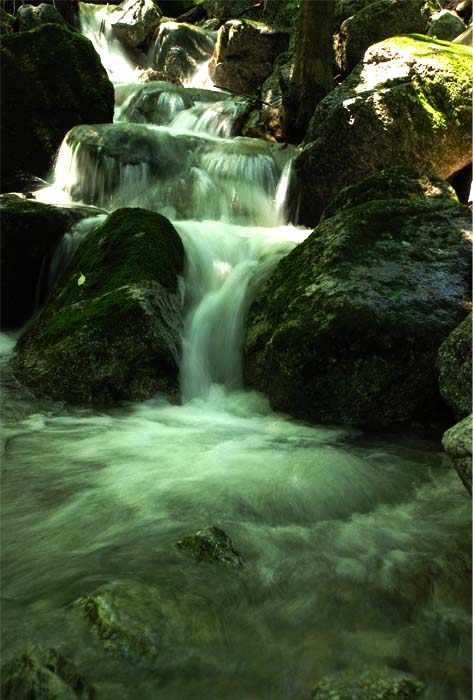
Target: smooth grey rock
(446, 25)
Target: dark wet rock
(134, 21)
(179, 48)
(408, 103)
(244, 55)
(111, 330)
(31, 232)
(157, 102)
(454, 361)
(266, 120)
(457, 443)
(446, 25)
(7, 22)
(29, 17)
(127, 616)
(347, 328)
(54, 80)
(373, 22)
(211, 544)
(368, 685)
(39, 673)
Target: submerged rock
(31, 232)
(39, 673)
(54, 80)
(454, 361)
(375, 21)
(244, 55)
(211, 544)
(111, 330)
(135, 20)
(368, 685)
(407, 103)
(127, 616)
(457, 443)
(347, 328)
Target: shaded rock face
(54, 80)
(179, 48)
(274, 13)
(135, 20)
(127, 617)
(407, 103)
(368, 685)
(211, 544)
(244, 55)
(454, 362)
(267, 121)
(31, 232)
(29, 17)
(457, 443)
(446, 25)
(347, 328)
(374, 22)
(111, 331)
(7, 22)
(42, 674)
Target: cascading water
(356, 549)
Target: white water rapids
(356, 548)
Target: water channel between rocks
(356, 549)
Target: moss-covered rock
(111, 331)
(211, 544)
(454, 361)
(39, 673)
(31, 232)
(54, 80)
(378, 684)
(457, 443)
(29, 17)
(127, 616)
(407, 103)
(347, 328)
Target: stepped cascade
(338, 532)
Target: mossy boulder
(347, 328)
(127, 616)
(377, 684)
(31, 232)
(54, 80)
(29, 17)
(457, 443)
(454, 361)
(211, 544)
(376, 21)
(408, 103)
(111, 331)
(40, 673)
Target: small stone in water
(211, 544)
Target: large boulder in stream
(454, 362)
(111, 330)
(179, 49)
(407, 103)
(135, 20)
(31, 233)
(372, 22)
(40, 673)
(244, 55)
(457, 443)
(54, 80)
(347, 328)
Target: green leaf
(81, 280)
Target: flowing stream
(356, 548)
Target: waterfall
(171, 150)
